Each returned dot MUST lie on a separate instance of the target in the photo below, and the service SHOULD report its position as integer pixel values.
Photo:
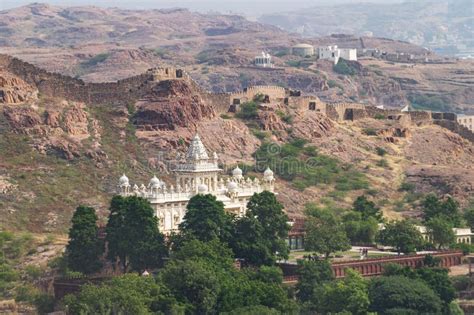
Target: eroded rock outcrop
(58, 129)
(14, 90)
(171, 104)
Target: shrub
(248, 111)
(382, 163)
(261, 135)
(304, 167)
(370, 131)
(259, 98)
(381, 151)
(225, 116)
(379, 116)
(96, 60)
(344, 68)
(33, 272)
(332, 84)
(293, 63)
(281, 53)
(431, 102)
(408, 187)
(461, 283)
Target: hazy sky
(248, 7)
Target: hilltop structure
(264, 60)
(333, 53)
(466, 120)
(196, 173)
(302, 50)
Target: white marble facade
(196, 173)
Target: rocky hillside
(97, 45)
(60, 148)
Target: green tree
(259, 237)
(398, 292)
(449, 209)
(84, 248)
(440, 231)
(194, 284)
(438, 280)
(325, 234)
(127, 294)
(359, 230)
(132, 234)
(367, 208)
(402, 235)
(205, 219)
(469, 214)
(348, 295)
(312, 275)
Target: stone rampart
(455, 127)
(420, 116)
(337, 111)
(274, 92)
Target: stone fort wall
(131, 89)
(274, 92)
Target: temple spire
(196, 150)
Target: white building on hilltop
(197, 173)
(334, 53)
(264, 60)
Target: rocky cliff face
(171, 104)
(14, 90)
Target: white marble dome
(232, 186)
(155, 182)
(268, 172)
(123, 181)
(202, 189)
(237, 172)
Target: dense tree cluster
(200, 277)
(401, 290)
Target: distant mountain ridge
(445, 26)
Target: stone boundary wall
(455, 127)
(57, 85)
(274, 92)
(336, 111)
(420, 116)
(302, 103)
(374, 267)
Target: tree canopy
(402, 235)
(325, 233)
(259, 237)
(132, 234)
(389, 295)
(348, 295)
(205, 219)
(312, 275)
(448, 209)
(440, 232)
(84, 248)
(367, 208)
